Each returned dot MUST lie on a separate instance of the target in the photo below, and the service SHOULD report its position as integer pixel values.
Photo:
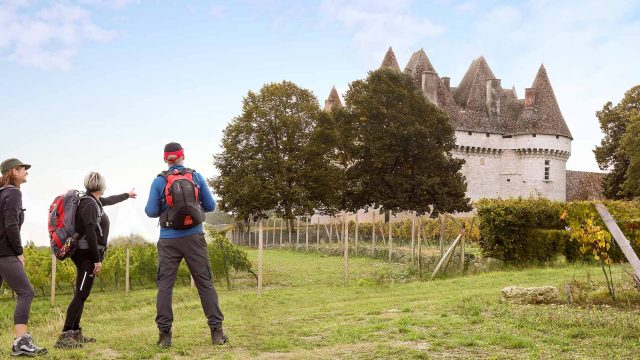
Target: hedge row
(534, 230)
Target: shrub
(506, 228)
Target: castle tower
(333, 100)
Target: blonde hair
(94, 182)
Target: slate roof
(583, 185)
(333, 100)
(466, 103)
(390, 60)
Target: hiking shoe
(24, 346)
(217, 336)
(67, 341)
(165, 339)
(80, 338)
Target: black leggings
(84, 283)
(12, 271)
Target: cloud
(113, 4)
(49, 36)
(378, 24)
(218, 11)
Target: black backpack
(182, 196)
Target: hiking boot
(67, 341)
(80, 338)
(24, 346)
(165, 339)
(217, 336)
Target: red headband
(178, 153)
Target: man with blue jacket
(180, 197)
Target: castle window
(534, 135)
(546, 169)
(469, 132)
(481, 161)
(557, 136)
(487, 134)
(508, 180)
(506, 136)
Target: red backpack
(182, 196)
(62, 224)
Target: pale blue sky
(104, 84)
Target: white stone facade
(499, 166)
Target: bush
(225, 256)
(506, 228)
(532, 230)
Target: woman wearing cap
(92, 225)
(14, 174)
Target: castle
(512, 147)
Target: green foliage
(505, 228)
(612, 154)
(587, 229)
(225, 256)
(397, 148)
(218, 218)
(631, 146)
(269, 161)
(38, 267)
(513, 230)
(127, 240)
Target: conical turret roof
(390, 60)
(471, 92)
(418, 63)
(546, 117)
(333, 100)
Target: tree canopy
(270, 158)
(397, 148)
(619, 147)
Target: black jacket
(11, 220)
(93, 224)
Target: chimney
(328, 104)
(493, 96)
(529, 97)
(447, 82)
(430, 86)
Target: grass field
(306, 313)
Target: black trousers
(84, 283)
(12, 271)
(193, 249)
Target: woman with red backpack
(92, 225)
(14, 174)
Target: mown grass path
(302, 315)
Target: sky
(102, 85)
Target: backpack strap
(7, 187)
(99, 208)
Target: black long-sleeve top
(11, 220)
(87, 217)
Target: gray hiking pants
(12, 271)
(193, 249)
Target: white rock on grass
(530, 295)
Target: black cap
(12, 164)
(172, 146)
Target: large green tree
(271, 158)
(397, 148)
(611, 154)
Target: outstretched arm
(111, 200)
